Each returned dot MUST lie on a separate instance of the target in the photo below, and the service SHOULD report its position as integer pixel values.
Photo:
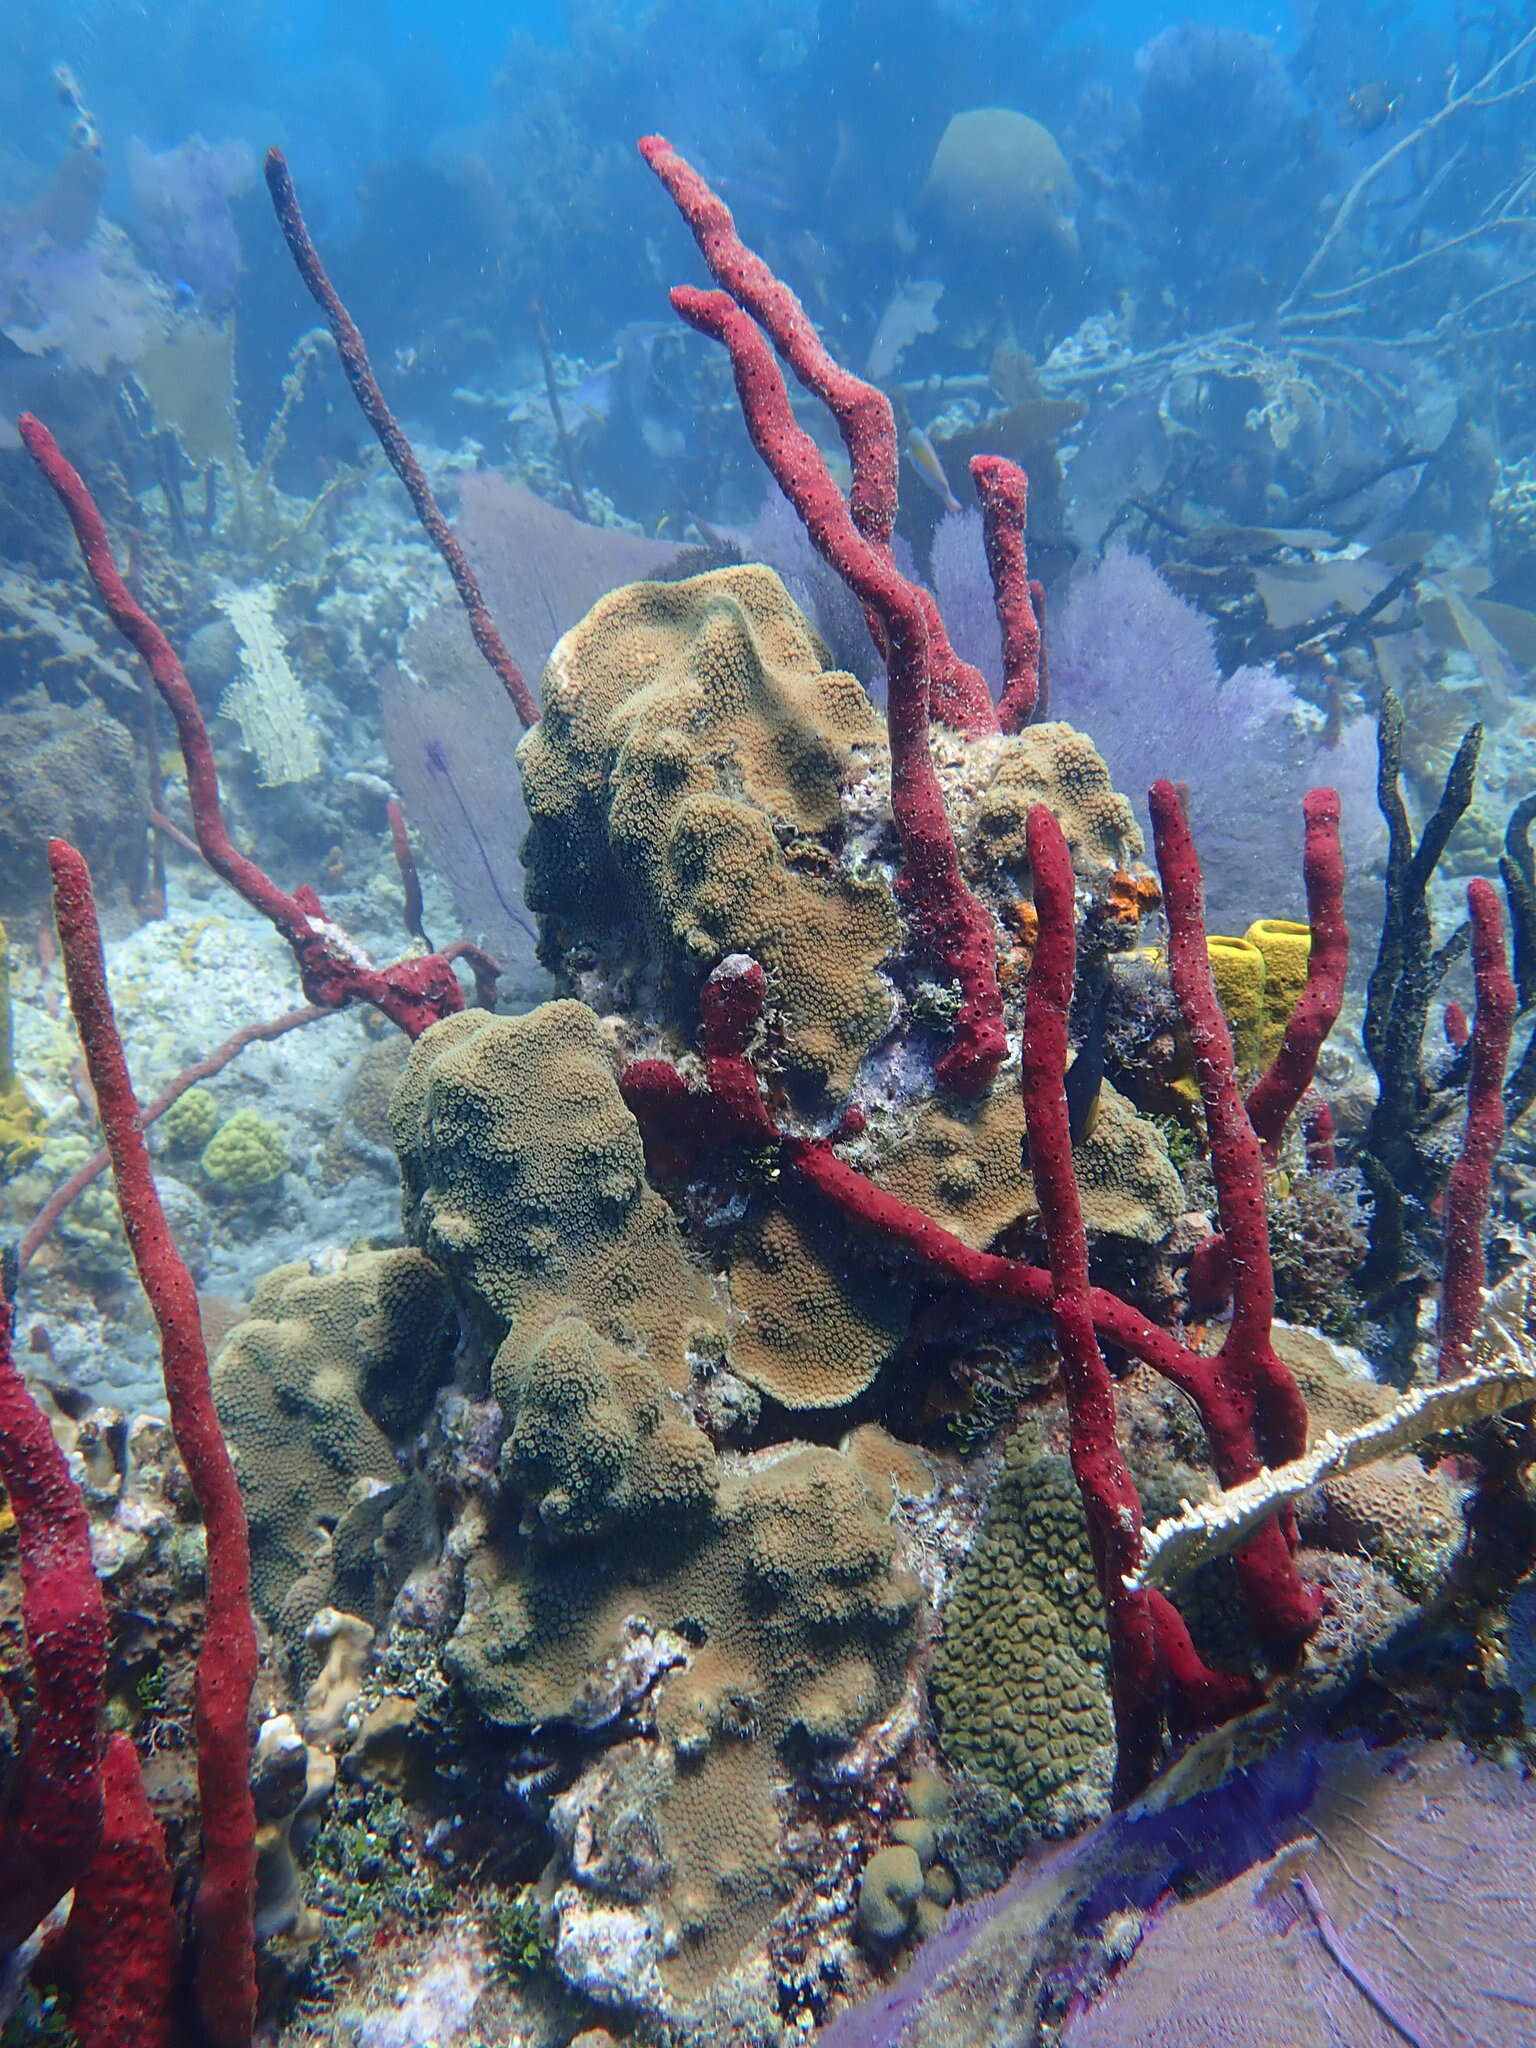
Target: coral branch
(353, 352)
(1274, 1096)
(951, 925)
(48, 1839)
(412, 993)
(1003, 492)
(226, 1665)
(1467, 1191)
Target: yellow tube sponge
(21, 1123)
(1286, 947)
(1238, 970)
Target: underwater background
(767, 1024)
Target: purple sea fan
(182, 200)
(958, 566)
(1135, 668)
(451, 733)
(1404, 1920)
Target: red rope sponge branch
(1274, 1096)
(225, 1980)
(353, 352)
(1248, 1403)
(862, 411)
(959, 694)
(53, 1829)
(1002, 490)
(1154, 1666)
(952, 926)
(1467, 1190)
(412, 993)
(1237, 1166)
(122, 1942)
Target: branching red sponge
(353, 352)
(1002, 491)
(1274, 1096)
(225, 1980)
(1248, 1403)
(122, 1928)
(1155, 1669)
(925, 676)
(49, 1837)
(951, 926)
(412, 993)
(1467, 1190)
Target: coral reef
(245, 1153)
(640, 1653)
(67, 769)
(1020, 1679)
(525, 1181)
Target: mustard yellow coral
(1237, 969)
(1286, 948)
(21, 1121)
(815, 1320)
(1050, 764)
(787, 1624)
(313, 1390)
(961, 1167)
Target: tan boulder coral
(998, 181)
(1394, 1511)
(597, 1441)
(961, 1166)
(1051, 764)
(770, 1629)
(524, 1178)
(817, 1318)
(685, 788)
(315, 1388)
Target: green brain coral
(245, 1153)
(1019, 1678)
(191, 1120)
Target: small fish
(592, 400)
(1370, 107)
(924, 458)
(406, 360)
(1084, 1083)
(1085, 1076)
